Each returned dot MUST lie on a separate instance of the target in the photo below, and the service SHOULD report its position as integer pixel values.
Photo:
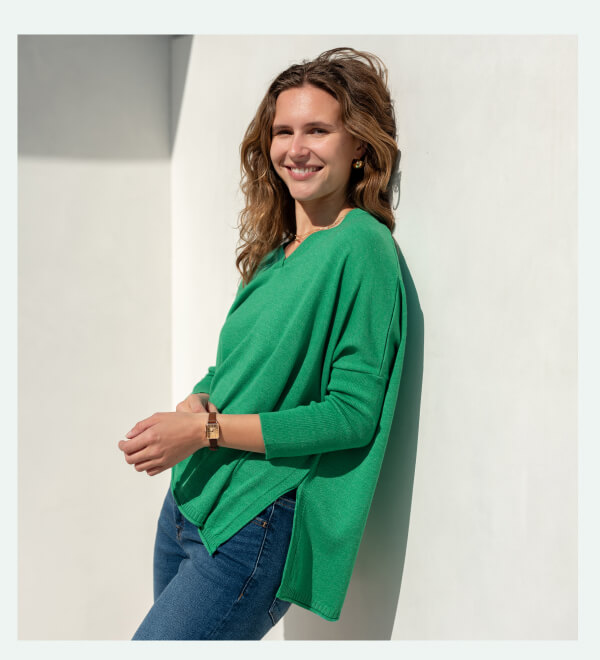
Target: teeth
(300, 170)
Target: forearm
(241, 432)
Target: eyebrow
(310, 124)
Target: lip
(302, 176)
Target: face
(311, 150)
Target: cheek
(341, 158)
(275, 154)
(343, 167)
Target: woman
(275, 455)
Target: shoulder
(369, 245)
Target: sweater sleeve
(204, 384)
(363, 356)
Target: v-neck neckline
(285, 259)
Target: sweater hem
(212, 540)
(324, 611)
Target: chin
(303, 198)
(300, 196)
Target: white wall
(94, 326)
(484, 546)
(488, 226)
(472, 534)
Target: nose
(298, 148)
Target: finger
(212, 407)
(129, 447)
(154, 471)
(145, 464)
(183, 406)
(142, 463)
(132, 448)
(195, 403)
(146, 455)
(141, 426)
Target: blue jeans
(228, 596)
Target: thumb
(211, 407)
(195, 404)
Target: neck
(310, 217)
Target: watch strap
(212, 430)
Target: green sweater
(314, 344)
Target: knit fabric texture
(313, 344)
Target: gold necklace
(300, 237)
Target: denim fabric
(229, 596)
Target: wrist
(201, 420)
(212, 433)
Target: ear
(361, 150)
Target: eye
(286, 131)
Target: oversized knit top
(313, 344)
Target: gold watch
(212, 430)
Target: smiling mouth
(303, 170)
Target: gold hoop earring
(357, 164)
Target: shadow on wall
(80, 95)
(369, 610)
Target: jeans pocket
(278, 609)
(262, 519)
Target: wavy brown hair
(358, 81)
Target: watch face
(212, 431)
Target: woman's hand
(196, 403)
(161, 441)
